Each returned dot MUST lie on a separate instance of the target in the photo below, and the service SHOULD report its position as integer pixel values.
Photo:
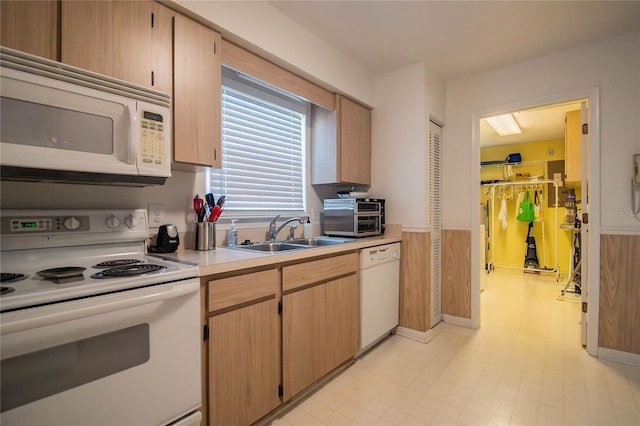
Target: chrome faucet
(274, 231)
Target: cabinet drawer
(302, 274)
(234, 291)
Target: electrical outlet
(156, 215)
(315, 216)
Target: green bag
(527, 212)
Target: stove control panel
(21, 229)
(48, 224)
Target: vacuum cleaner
(531, 256)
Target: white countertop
(224, 259)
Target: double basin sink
(294, 244)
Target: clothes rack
(509, 190)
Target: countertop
(224, 259)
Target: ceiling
(457, 39)
(537, 125)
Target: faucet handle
(292, 231)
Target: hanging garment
(537, 206)
(502, 215)
(526, 212)
(518, 201)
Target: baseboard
(619, 356)
(459, 321)
(420, 336)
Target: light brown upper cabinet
(31, 26)
(341, 143)
(196, 99)
(572, 147)
(128, 40)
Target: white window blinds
(262, 155)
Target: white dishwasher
(379, 293)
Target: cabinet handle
(152, 79)
(152, 20)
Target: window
(263, 150)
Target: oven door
(126, 358)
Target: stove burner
(6, 290)
(8, 277)
(63, 275)
(129, 270)
(117, 262)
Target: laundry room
(530, 193)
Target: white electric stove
(109, 330)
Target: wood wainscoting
(456, 273)
(619, 293)
(415, 281)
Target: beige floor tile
(338, 419)
(366, 417)
(349, 410)
(321, 411)
(525, 366)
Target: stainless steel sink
(317, 241)
(271, 247)
(295, 244)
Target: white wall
(613, 66)
(284, 40)
(404, 100)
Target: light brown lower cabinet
(304, 335)
(320, 322)
(244, 347)
(343, 320)
(259, 358)
(245, 364)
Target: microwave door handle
(131, 148)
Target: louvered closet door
(435, 197)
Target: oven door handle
(22, 320)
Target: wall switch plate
(156, 215)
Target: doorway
(552, 258)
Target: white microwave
(64, 124)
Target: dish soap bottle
(232, 236)
(307, 229)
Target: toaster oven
(353, 217)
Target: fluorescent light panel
(504, 124)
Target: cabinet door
(572, 147)
(31, 26)
(196, 100)
(343, 320)
(354, 141)
(121, 39)
(303, 339)
(244, 364)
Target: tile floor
(524, 366)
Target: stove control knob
(71, 223)
(113, 222)
(131, 221)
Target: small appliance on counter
(354, 217)
(167, 240)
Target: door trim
(592, 95)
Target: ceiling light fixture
(504, 124)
